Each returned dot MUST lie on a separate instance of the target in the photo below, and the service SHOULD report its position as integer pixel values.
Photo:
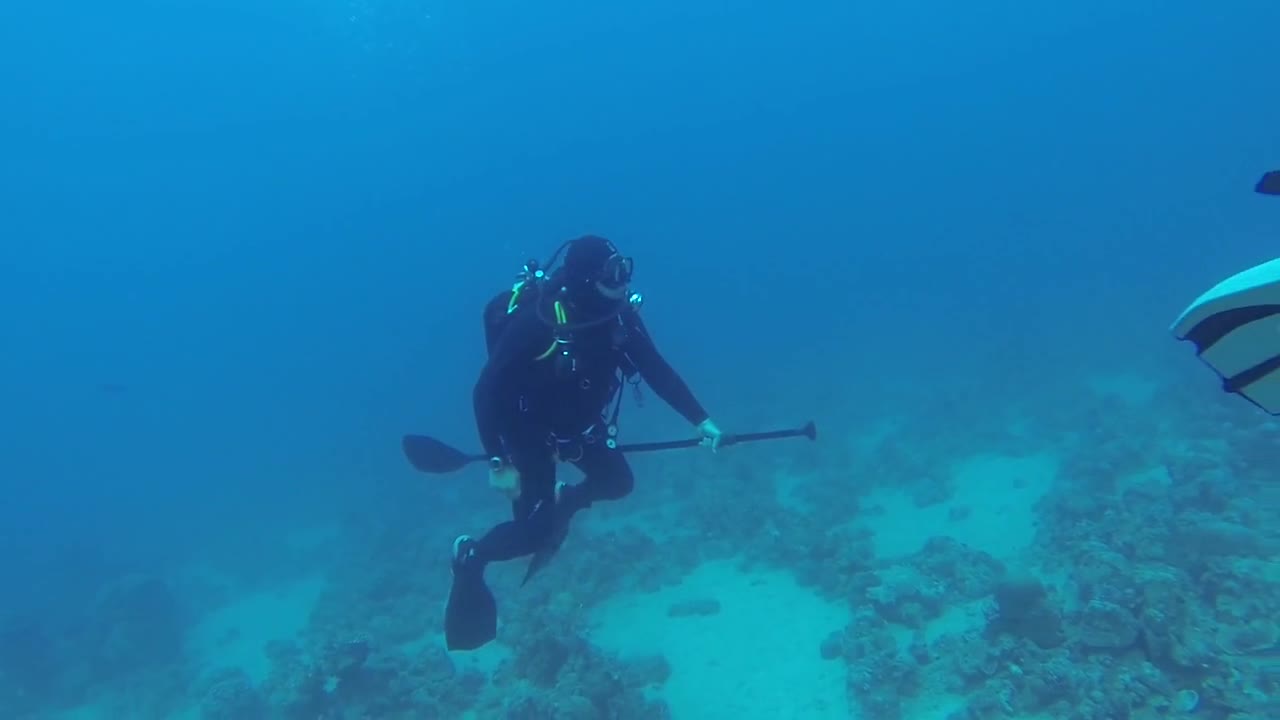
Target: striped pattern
(1235, 328)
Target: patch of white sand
(236, 635)
(994, 502)
(757, 658)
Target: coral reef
(1151, 590)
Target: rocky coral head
(1023, 609)
(1019, 596)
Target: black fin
(544, 555)
(429, 455)
(471, 617)
(539, 560)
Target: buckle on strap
(565, 449)
(571, 449)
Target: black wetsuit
(531, 410)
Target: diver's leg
(532, 516)
(471, 613)
(608, 477)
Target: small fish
(1269, 184)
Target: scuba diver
(1235, 326)
(562, 348)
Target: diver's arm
(655, 370)
(490, 397)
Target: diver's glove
(710, 433)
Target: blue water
(244, 245)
